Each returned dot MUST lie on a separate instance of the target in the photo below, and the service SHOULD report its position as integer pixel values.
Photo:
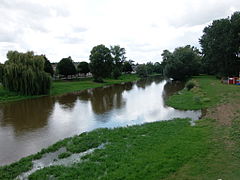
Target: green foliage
(150, 68)
(66, 67)
(118, 55)
(1, 72)
(101, 62)
(48, 67)
(189, 85)
(24, 73)
(157, 68)
(220, 46)
(142, 70)
(127, 67)
(116, 73)
(13, 170)
(83, 67)
(184, 62)
(64, 155)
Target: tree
(166, 57)
(220, 46)
(127, 67)
(183, 63)
(101, 63)
(150, 68)
(24, 73)
(118, 56)
(141, 70)
(66, 67)
(48, 66)
(83, 67)
(1, 72)
(158, 68)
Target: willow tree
(24, 73)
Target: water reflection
(28, 126)
(107, 98)
(171, 87)
(26, 115)
(67, 101)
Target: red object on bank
(230, 80)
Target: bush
(190, 85)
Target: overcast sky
(62, 28)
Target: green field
(62, 87)
(158, 150)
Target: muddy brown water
(30, 125)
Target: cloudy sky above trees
(62, 28)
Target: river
(28, 126)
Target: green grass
(209, 92)
(150, 151)
(62, 87)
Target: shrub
(190, 85)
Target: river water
(30, 125)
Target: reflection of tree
(26, 115)
(172, 87)
(67, 101)
(143, 83)
(106, 98)
(157, 79)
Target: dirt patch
(224, 113)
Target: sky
(63, 28)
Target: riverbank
(63, 87)
(159, 150)
(208, 92)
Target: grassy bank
(159, 150)
(208, 92)
(62, 87)
(151, 151)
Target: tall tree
(183, 62)
(127, 67)
(24, 73)
(220, 46)
(118, 55)
(158, 68)
(66, 67)
(83, 67)
(101, 62)
(48, 66)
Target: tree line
(219, 55)
(30, 74)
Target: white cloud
(71, 28)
